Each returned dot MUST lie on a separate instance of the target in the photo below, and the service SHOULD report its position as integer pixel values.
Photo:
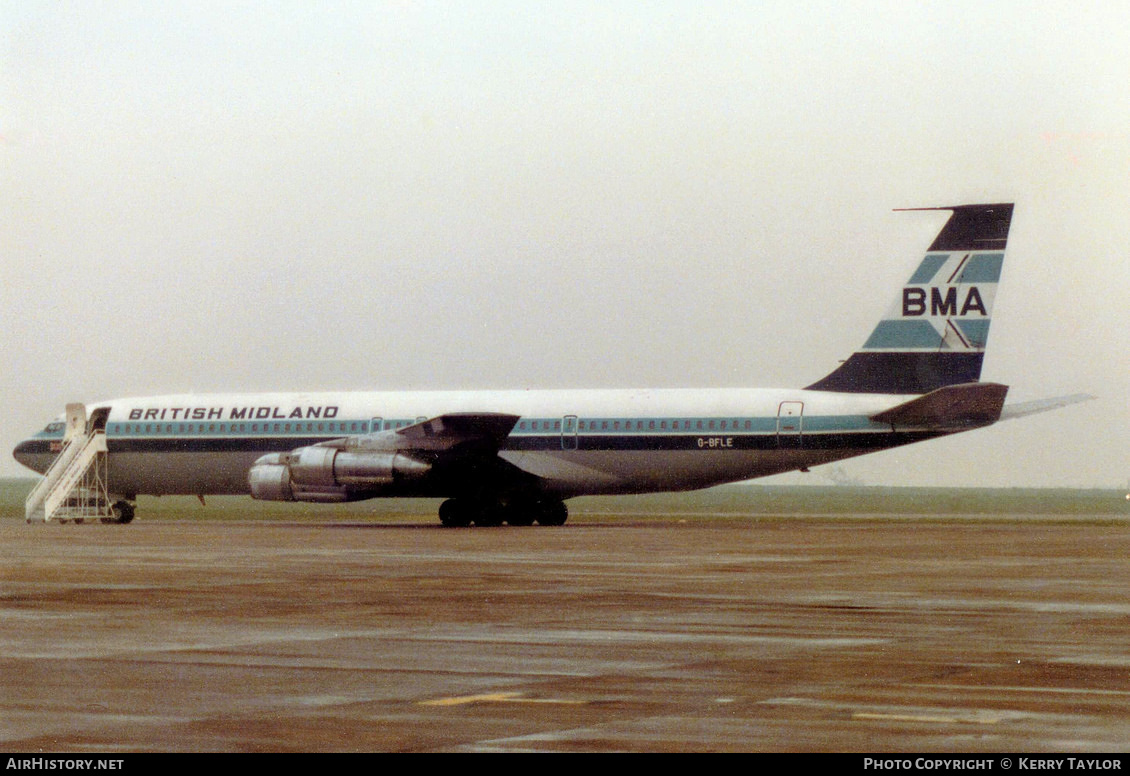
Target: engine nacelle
(270, 479)
(329, 475)
(313, 466)
(374, 469)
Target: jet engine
(328, 474)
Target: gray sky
(287, 196)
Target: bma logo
(914, 302)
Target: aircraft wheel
(489, 515)
(552, 513)
(521, 513)
(123, 512)
(454, 514)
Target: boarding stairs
(75, 487)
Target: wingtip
(975, 206)
(1023, 409)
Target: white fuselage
(573, 441)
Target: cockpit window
(55, 427)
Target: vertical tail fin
(935, 333)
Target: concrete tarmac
(629, 633)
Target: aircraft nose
(21, 451)
(31, 453)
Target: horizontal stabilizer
(955, 406)
(1023, 408)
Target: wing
(448, 453)
(481, 432)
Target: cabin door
(569, 432)
(790, 424)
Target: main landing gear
(458, 512)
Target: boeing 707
(515, 457)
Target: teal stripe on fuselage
(237, 429)
(704, 425)
(635, 426)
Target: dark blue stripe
(723, 441)
(211, 445)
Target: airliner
(515, 457)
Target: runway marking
(1010, 688)
(953, 717)
(922, 718)
(497, 697)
